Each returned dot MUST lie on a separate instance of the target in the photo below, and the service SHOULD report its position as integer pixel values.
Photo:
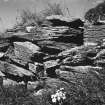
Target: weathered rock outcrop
(54, 58)
(58, 20)
(16, 73)
(61, 34)
(22, 52)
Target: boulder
(77, 60)
(37, 68)
(59, 20)
(22, 52)
(16, 73)
(81, 69)
(50, 67)
(28, 45)
(11, 69)
(51, 63)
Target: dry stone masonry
(57, 56)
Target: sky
(10, 9)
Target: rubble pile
(58, 57)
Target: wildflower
(63, 96)
(59, 96)
(58, 91)
(53, 96)
(61, 88)
(54, 100)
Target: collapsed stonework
(55, 57)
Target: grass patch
(27, 17)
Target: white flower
(58, 95)
(54, 100)
(63, 97)
(58, 91)
(61, 88)
(58, 98)
(52, 96)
